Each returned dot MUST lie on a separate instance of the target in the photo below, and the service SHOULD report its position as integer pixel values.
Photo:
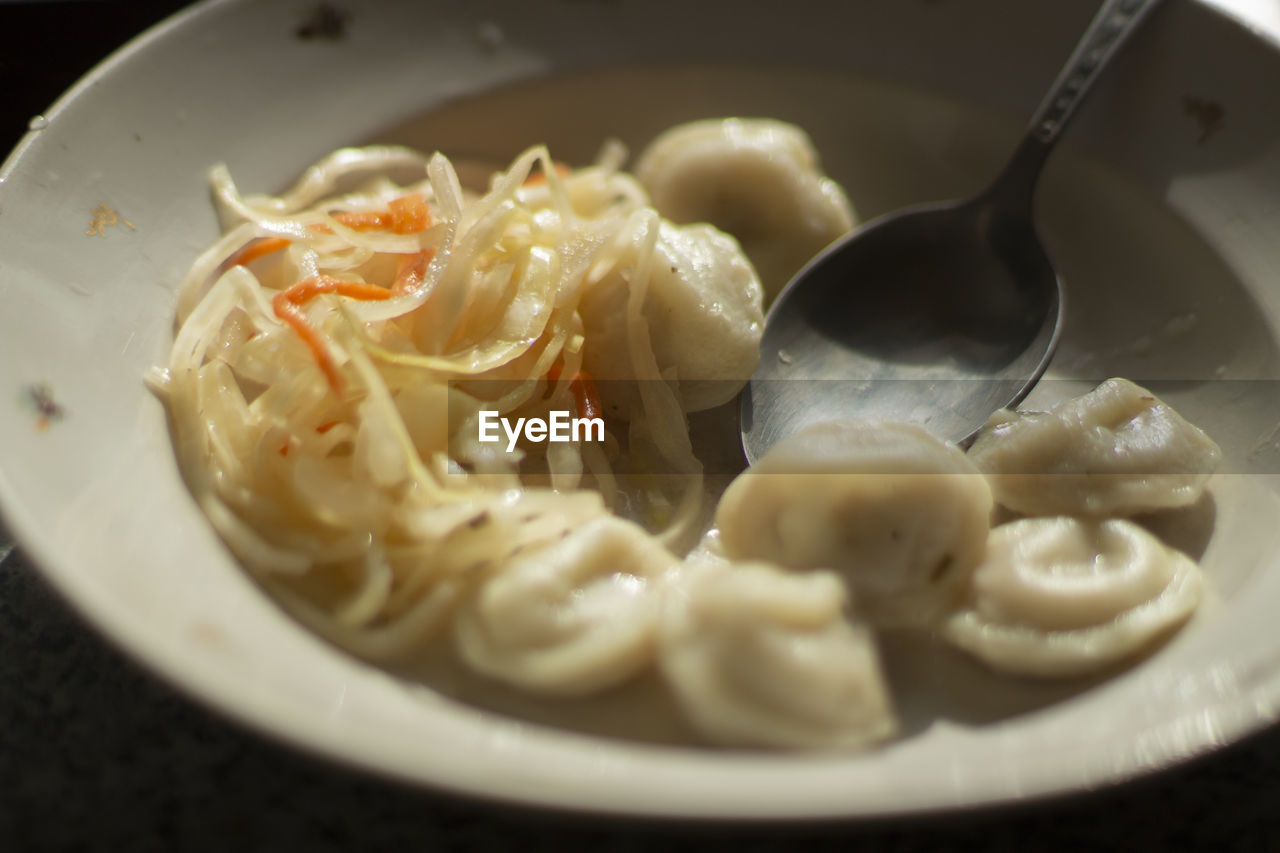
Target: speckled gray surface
(97, 755)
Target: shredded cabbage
(330, 433)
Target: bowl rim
(257, 715)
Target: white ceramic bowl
(1162, 210)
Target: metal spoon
(939, 314)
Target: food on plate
(571, 618)
(700, 304)
(757, 179)
(336, 351)
(1117, 450)
(758, 656)
(903, 515)
(1064, 596)
(367, 380)
(340, 349)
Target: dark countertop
(97, 754)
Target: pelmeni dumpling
(702, 307)
(1063, 597)
(901, 514)
(572, 618)
(758, 179)
(1117, 450)
(760, 657)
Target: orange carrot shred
(406, 215)
(540, 177)
(365, 220)
(288, 303)
(585, 394)
(309, 288)
(409, 214)
(260, 249)
(410, 271)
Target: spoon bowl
(849, 337)
(939, 314)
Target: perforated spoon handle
(1111, 27)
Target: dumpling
(572, 618)
(901, 514)
(759, 657)
(703, 311)
(758, 179)
(1117, 450)
(1062, 596)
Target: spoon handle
(1111, 27)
